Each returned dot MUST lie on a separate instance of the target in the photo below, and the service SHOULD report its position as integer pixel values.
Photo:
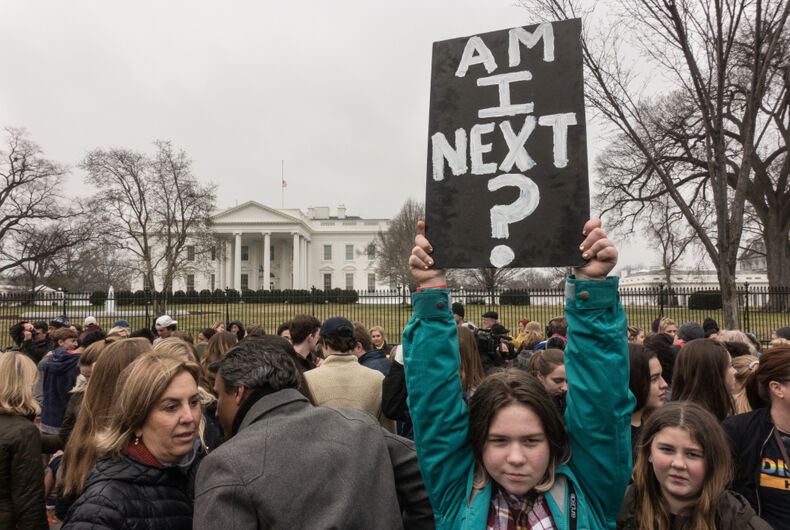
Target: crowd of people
(583, 422)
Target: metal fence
(762, 310)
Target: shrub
(296, 296)
(192, 296)
(233, 296)
(342, 296)
(275, 296)
(98, 297)
(123, 298)
(514, 297)
(140, 297)
(218, 296)
(249, 296)
(179, 297)
(205, 296)
(708, 300)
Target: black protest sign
(507, 155)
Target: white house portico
(269, 248)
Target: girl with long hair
(21, 470)
(704, 374)
(507, 459)
(81, 453)
(760, 439)
(681, 475)
(647, 386)
(220, 343)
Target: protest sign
(507, 157)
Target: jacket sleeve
(94, 510)
(599, 403)
(436, 404)
(412, 497)
(221, 498)
(27, 481)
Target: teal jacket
(598, 413)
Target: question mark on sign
(503, 215)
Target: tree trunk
(729, 297)
(777, 258)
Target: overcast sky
(338, 90)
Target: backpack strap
(557, 492)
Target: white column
(237, 262)
(228, 265)
(308, 282)
(296, 262)
(266, 260)
(218, 268)
(303, 265)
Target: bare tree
(29, 198)
(697, 45)
(393, 247)
(156, 207)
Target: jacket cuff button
(584, 295)
(440, 305)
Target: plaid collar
(511, 512)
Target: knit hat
(710, 326)
(120, 323)
(690, 331)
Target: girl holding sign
(507, 460)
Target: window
(371, 282)
(349, 252)
(190, 282)
(213, 282)
(213, 254)
(349, 280)
(245, 282)
(327, 281)
(327, 252)
(271, 253)
(245, 253)
(190, 252)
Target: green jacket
(598, 413)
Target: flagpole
(282, 186)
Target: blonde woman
(744, 365)
(21, 472)
(150, 448)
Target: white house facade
(260, 247)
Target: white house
(271, 248)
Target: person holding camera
(494, 343)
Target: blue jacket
(60, 375)
(598, 414)
(377, 360)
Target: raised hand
(421, 263)
(600, 252)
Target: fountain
(109, 304)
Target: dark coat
(51, 443)
(126, 494)
(21, 475)
(332, 468)
(60, 375)
(733, 513)
(36, 350)
(377, 360)
(748, 433)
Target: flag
(285, 184)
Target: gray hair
(256, 364)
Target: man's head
(557, 326)
(337, 336)
(40, 330)
(250, 366)
(304, 328)
(284, 331)
(64, 338)
(165, 326)
(364, 341)
(458, 312)
(489, 319)
(58, 322)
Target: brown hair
(699, 373)
(140, 386)
(774, 366)
(534, 335)
(516, 387)
(81, 453)
(62, 334)
(184, 335)
(362, 336)
(651, 510)
(217, 346)
(543, 362)
(472, 372)
(301, 326)
(16, 384)
(92, 353)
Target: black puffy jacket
(21, 475)
(124, 493)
